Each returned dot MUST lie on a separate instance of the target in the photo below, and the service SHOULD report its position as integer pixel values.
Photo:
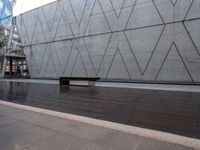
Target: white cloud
(1, 5)
(7, 12)
(22, 6)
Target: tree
(3, 40)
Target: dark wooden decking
(173, 112)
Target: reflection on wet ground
(168, 111)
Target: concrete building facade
(137, 40)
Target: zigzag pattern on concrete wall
(146, 40)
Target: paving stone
(25, 134)
(79, 129)
(60, 142)
(149, 144)
(6, 121)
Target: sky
(5, 13)
(5, 9)
(22, 6)
(19, 7)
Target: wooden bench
(66, 80)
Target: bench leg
(91, 83)
(65, 82)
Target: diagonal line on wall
(118, 51)
(28, 38)
(79, 54)
(118, 15)
(150, 59)
(73, 12)
(164, 61)
(105, 53)
(74, 63)
(111, 63)
(83, 13)
(153, 50)
(54, 66)
(132, 52)
(191, 38)
(124, 63)
(51, 25)
(43, 58)
(90, 57)
(188, 10)
(97, 1)
(131, 14)
(57, 56)
(64, 14)
(60, 16)
(46, 66)
(83, 63)
(42, 29)
(89, 18)
(34, 30)
(122, 30)
(173, 2)
(63, 10)
(78, 21)
(33, 58)
(183, 62)
(68, 57)
(49, 56)
(104, 16)
(158, 11)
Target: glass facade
(5, 23)
(6, 12)
(15, 60)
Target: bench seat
(66, 80)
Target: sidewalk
(161, 110)
(22, 129)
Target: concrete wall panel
(193, 28)
(97, 46)
(144, 14)
(173, 11)
(143, 40)
(194, 11)
(169, 68)
(49, 17)
(138, 37)
(97, 23)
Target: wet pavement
(168, 111)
